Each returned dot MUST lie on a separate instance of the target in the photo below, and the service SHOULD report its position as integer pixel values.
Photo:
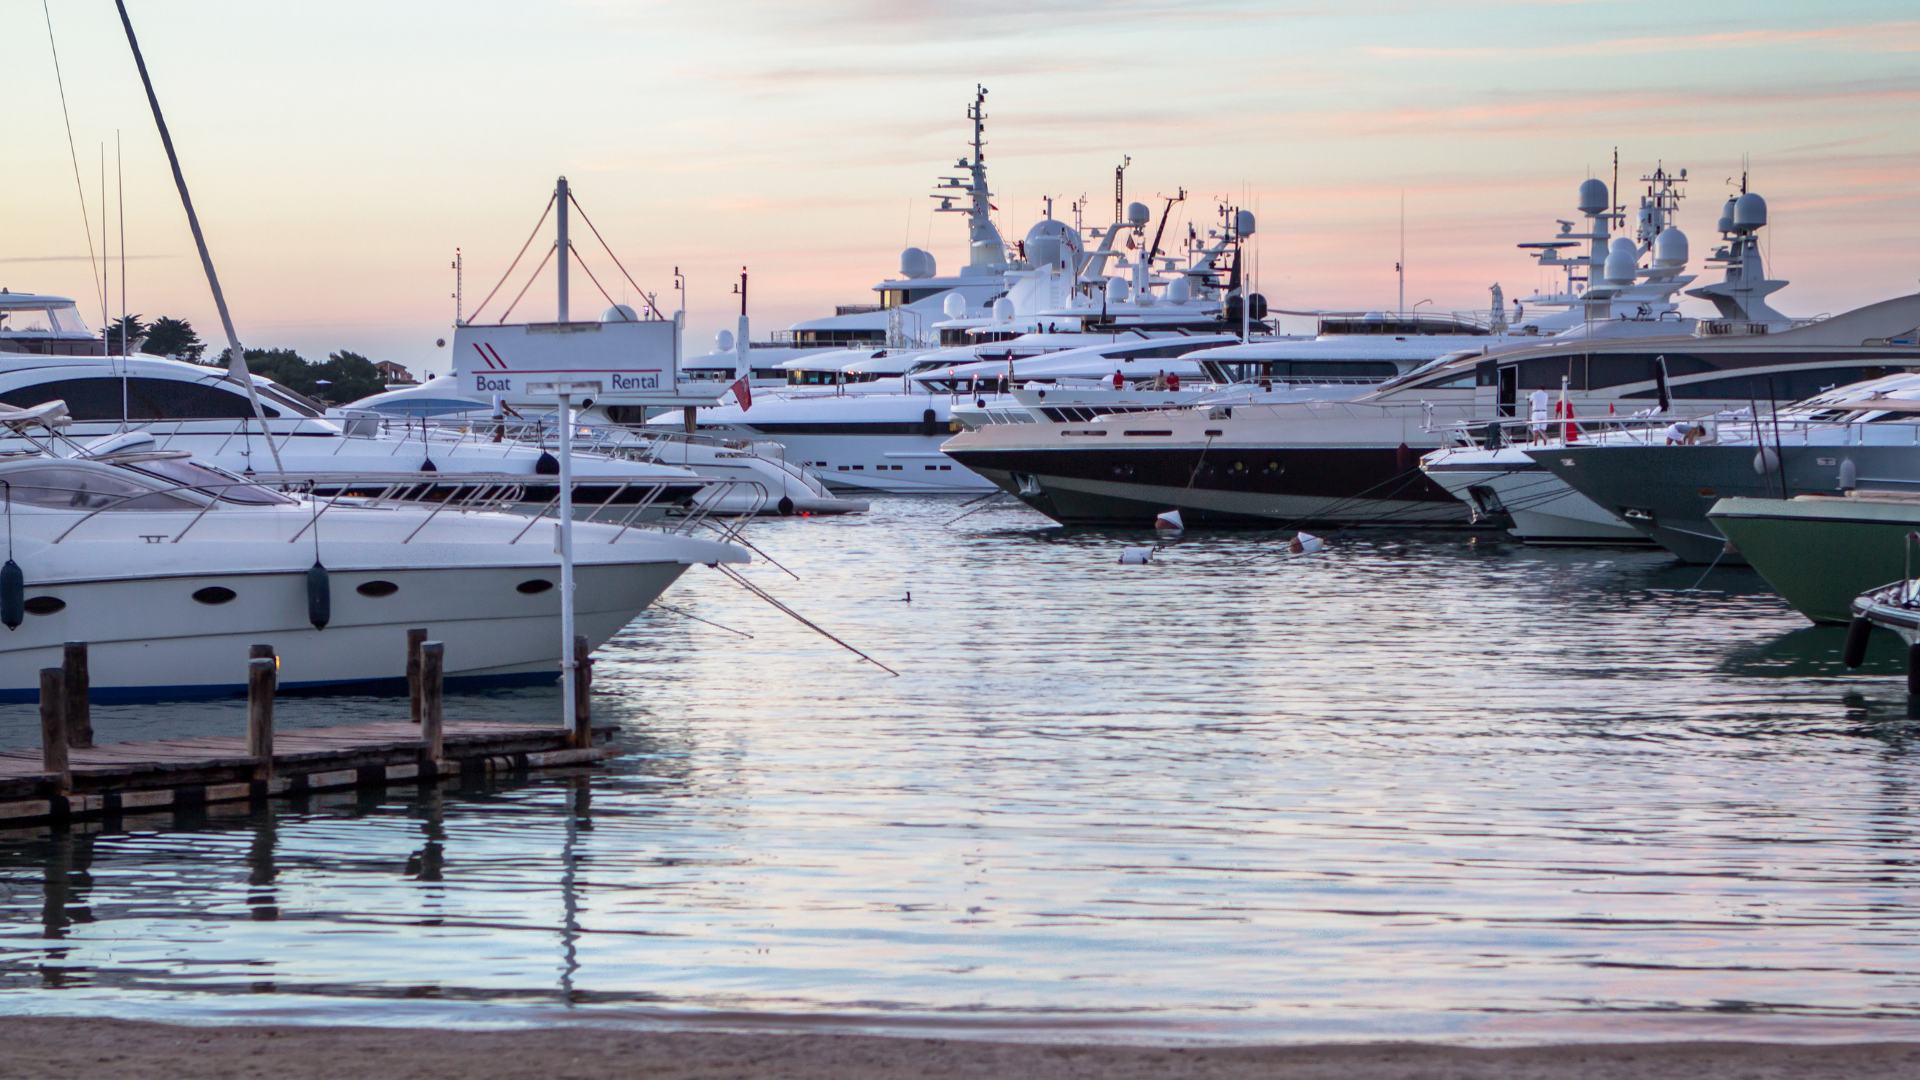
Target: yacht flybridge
(1356, 461)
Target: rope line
(524, 288)
(616, 259)
(514, 263)
(73, 153)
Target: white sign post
(569, 663)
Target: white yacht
(1499, 480)
(169, 569)
(905, 308)
(761, 480)
(1356, 461)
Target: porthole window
(44, 605)
(534, 586)
(214, 594)
(377, 589)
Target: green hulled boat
(1821, 551)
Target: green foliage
(173, 337)
(135, 331)
(346, 376)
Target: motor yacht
(169, 569)
(1664, 479)
(1819, 552)
(1355, 462)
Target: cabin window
(533, 586)
(44, 605)
(107, 398)
(214, 594)
(377, 589)
(73, 488)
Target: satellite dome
(723, 341)
(1243, 222)
(1749, 211)
(1118, 291)
(1670, 248)
(1593, 197)
(954, 306)
(1622, 262)
(1003, 310)
(916, 263)
(1179, 291)
(1726, 216)
(1053, 243)
(1138, 214)
(619, 313)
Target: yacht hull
(1540, 508)
(150, 638)
(1667, 491)
(1820, 553)
(1223, 488)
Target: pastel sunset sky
(339, 152)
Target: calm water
(1419, 785)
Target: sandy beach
(40, 1047)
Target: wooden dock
(164, 773)
(67, 777)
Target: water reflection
(1425, 785)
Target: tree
(173, 337)
(346, 376)
(135, 330)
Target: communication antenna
(1400, 264)
(1120, 189)
(458, 302)
(120, 190)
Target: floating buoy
(1170, 522)
(1136, 556)
(319, 596)
(547, 465)
(1855, 651)
(1305, 544)
(13, 595)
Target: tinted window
(108, 398)
(75, 488)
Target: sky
(339, 153)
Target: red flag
(743, 393)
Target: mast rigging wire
(616, 259)
(72, 153)
(523, 289)
(516, 262)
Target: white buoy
(1169, 522)
(1305, 544)
(1135, 556)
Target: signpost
(570, 659)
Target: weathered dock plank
(184, 770)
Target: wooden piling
(582, 693)
(260, 652)
(79, 709)
(415, 638)
(53, 726)
(261, 681)
(432, 704)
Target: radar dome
(1621, 262)
(1593, 197)
(954, 306)
(1243, 223)
(1179, 291)
(1670, 248)
(723, 341)
(1003, 310)
(619, 313)
(916, 263)
(1138, 214)
(1749, 211)
(1118, 291)
(1053, 243)
(1725, 223)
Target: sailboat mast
(237, 357)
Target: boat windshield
(72, 487)
(211, 482)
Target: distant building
(392, 373)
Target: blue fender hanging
(13, 595)
(319, 596)
(548, 465)
(429, 466)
